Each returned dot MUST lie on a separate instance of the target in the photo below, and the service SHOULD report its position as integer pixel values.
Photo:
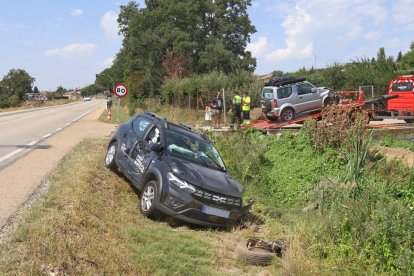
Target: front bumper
(190, 208)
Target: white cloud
(373, 36)
(403, 14)
(108, 62)
(110, 25)
(72, 51)
(257, 48)
(298, 45)
(77, 12)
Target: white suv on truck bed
(284, 97)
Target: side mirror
(314, 90)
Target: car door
(141, 154)
(136, 132)
(307, 100)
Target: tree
(16, 83)
(201, 36)
(60, 91)
(408, 58)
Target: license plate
(215, 211)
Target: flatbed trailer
(356, 99)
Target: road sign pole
(120, 91)
(117, 112)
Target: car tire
(256, 256)
(328, 101)
(111, 155)
(409, 121)
(287, 114)
(149, 199)
(271, 118)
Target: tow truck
(397, 104)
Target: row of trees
(184, 51)
(174, 39)
(376, 72)
(14, 86)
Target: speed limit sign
(120, 90)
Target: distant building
(72, 94)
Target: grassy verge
(88, 223)
(30, 105)
(391, 142)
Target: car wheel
(148, 203)
(253, 256)
(328, 101)
(287, 114)
(111, 155)
(409, 121)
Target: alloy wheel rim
(110, 155)
(147, 198)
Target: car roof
(179, 128)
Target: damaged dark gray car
(178, 171)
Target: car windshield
(402, 87)
(194, 150)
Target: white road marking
(67, 124)
(32, 143)
(58, 129)
(27, 116)
(47, 135)
(11, 154)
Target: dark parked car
(177, 170)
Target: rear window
(284, 92)
(267, 93)
(402, 87)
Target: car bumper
(275, 113)
(186, 207)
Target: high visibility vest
(237, 99)
(246, 103)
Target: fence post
(224, 105)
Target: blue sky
(67, 42)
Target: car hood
(204, 177)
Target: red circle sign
(120, 90)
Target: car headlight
(181, 183)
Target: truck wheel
(111, 155)
(149, 199)
(287, 114)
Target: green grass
(117, 117)
(88, 222)
(391, 142)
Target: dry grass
(31, 105)
(88, 223)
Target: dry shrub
(339, 123)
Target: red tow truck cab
(403, 87)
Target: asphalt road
(21, 132)
(32, 143)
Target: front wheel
(287, 114)
(149, 199)
(111, 154)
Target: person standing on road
(237, 102)
(246, 108)
(219, 109)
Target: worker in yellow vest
(246, 108)
(236, 114)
